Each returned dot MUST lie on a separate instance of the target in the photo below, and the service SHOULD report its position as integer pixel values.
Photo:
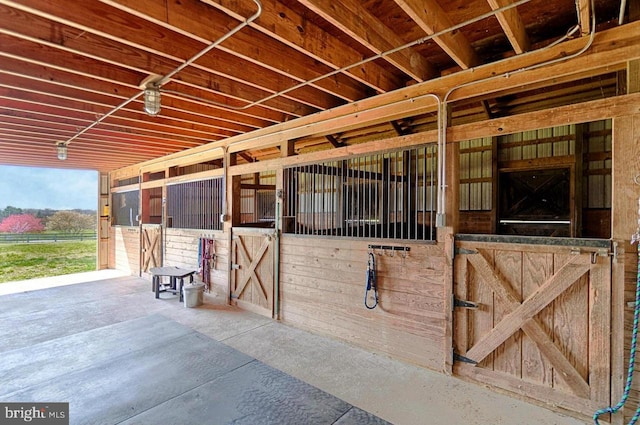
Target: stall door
(534, 320)
(252, 269)
(151, 247)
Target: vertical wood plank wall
(181, 250)
(127, 248)
(626, 168)
(322, 288)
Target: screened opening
(547, 182)
(388, 195)
(536, 202)
(195, 205)
(125, 208)
(257, 199)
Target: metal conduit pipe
(623, 6)
(164, 79)
(247, 22)
(442, 127)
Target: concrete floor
(93, 307)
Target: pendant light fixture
(152, 99)
(61, 147)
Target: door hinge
(464, 304)
(463, 251)
(460, 358)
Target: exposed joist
(430, 16)
(289, 27)
(199, 20)
(246, 157)
(334, 141)
(584, 12)
(512, 25)
(356, 21)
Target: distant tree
(21, 223)
(71, 222)
(9, 210)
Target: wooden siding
(126, 248)
(626, 163)
(322, 289)
(181, 250)
(542, 325)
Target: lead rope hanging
(632, 354)
(372, 284)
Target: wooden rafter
(352, 18)
(430, 16)
(334, 141)
(512, 25)
(206, 24)
(294, 30)
(246, 157)
(584, 11)
(65, 64)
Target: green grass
(22, 261)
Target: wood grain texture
(322, 289)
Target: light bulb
(62, 151)
(152, 100)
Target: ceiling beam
(197, 19)
(430, 16)
(289, 27)
(230, 79)
(512, 25)
(357, 22)
(334, 141)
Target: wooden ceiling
(66, 64)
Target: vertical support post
(104, 229)
(624, 221)
(286, 149)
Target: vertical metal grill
(386, 195)
(195, 205)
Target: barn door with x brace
(534, 320)
(252, 269)
(151, 247)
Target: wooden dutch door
(252, 270)
(534, 320)
(151, 246)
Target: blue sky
(58, 189)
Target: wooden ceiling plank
(284, 24)
(20, 84)
(58, 134)
(34, 126)
(127, 128)
(13, 106)
(199, 20)
(69, 60)
(233, 121)
(357, 22)
(430, 16)
(512, 25)
(81, 41)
